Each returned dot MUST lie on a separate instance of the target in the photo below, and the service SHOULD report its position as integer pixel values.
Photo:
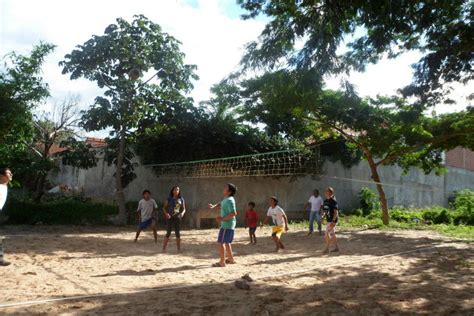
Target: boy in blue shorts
(227, 221)
(146, 212)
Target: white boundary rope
(83, 297)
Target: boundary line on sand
(91, 296)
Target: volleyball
(134, 73)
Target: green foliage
(437, 216)
(464, 205)
(358, 222)
(22, 89)
(79, 154)
(68, 211)
(404, 215)
(338, 149)
(300, 46)
(464, 201)
(129, 106)
(307, 34)
(386, 130)
(368, 201)
(211, 135)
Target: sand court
(99, 270)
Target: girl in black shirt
(331, 211)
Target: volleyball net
(277, 163)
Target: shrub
(65, 211)
(368, 201)
(404, 215)
(464, 206)
(438, 216)
(464, 201)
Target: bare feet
(218, 265)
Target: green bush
(64, 211)
(464, 201)
(464, 206)
(368, 200)
(438, 216)
(404, 215)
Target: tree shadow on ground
(352, 243)
(435, 283)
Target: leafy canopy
(307, 35)
(118, 61)
(22, 89)
(142, 46)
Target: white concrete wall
(414, 189)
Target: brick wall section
(460, 158)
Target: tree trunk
(382, 197)
(122, 214)
(39, 191)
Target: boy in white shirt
(146, 212)
(6, 176)
(277, 214)
(316, 203)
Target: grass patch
(360, 222)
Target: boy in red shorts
(251, 221)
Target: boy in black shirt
(331, 211)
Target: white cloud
(212, 39)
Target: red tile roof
(96, 142)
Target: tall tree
(116, 61)
(51, 129)
(22, 90)
(301, 43)
(307, 35)
(387, 130)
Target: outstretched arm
(211, 206)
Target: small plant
(368, 201)
(438, 216)
(464, 206)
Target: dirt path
(56, 262)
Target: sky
(211, 31)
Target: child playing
(251, 221)
(227, 221)
(331, 211)
(174, 209)
(146, 212)
(279, 220)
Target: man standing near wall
(5, 177)
(315, 214)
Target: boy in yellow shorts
(277, 214)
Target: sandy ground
(56, 262)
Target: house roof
(96, 142)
